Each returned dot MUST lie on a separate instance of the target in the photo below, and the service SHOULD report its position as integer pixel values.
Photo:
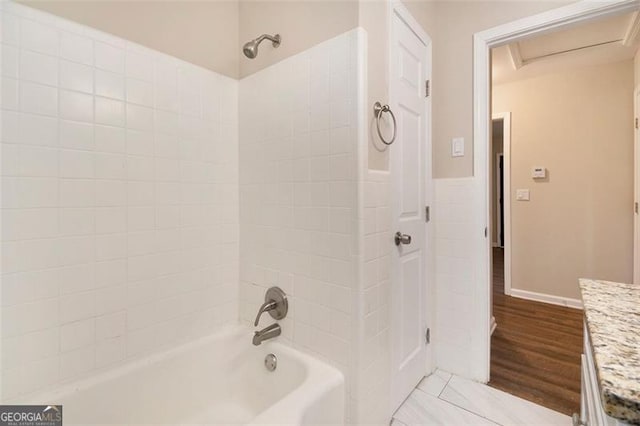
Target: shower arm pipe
(274, 39)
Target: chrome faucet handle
(266, 307)
(275, 302)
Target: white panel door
(409, 71)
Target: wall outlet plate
(522, 194)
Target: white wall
(373, 297)
(119, 200)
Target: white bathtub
(219, 379)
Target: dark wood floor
(535, 350)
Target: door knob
(401, 238)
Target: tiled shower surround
(119, 201)
(146, 202)
(298, 196)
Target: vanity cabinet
(591, 411)
(611, 357)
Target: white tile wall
(121, 205)
(299, 196)
(371, 397)
(457, 349)
(119, 200)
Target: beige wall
(579, 222)
(204, 33)
(636, 69)
(453, 72)
(302, 24)
(373, 17)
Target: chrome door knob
(401, 238)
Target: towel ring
(378, 109)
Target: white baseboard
(494, 324)
(547, 298)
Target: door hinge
(427, 214)
(635, 207)
(636, 123)
(427, 88)
(427, 336)
(485, 232)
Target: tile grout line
(490, 389)
(460, 408)
(445, 386)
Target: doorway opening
(548, 163)
(484, 41)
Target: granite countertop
(612, 312)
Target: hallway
(536, 347)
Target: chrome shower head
(250, 48)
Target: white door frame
(499, 195)
(572, 14)
(506, 194)
(398, 8)
(636, 189)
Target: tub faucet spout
(266, 333)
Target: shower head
(250, 48)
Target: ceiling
(604, 41)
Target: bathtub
(219, 379)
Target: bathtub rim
(320, 377)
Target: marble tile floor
(445, 399)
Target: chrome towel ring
(378, 109)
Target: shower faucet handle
(275, 302)
(266, 307)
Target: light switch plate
(457, 147)
(522, 194)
